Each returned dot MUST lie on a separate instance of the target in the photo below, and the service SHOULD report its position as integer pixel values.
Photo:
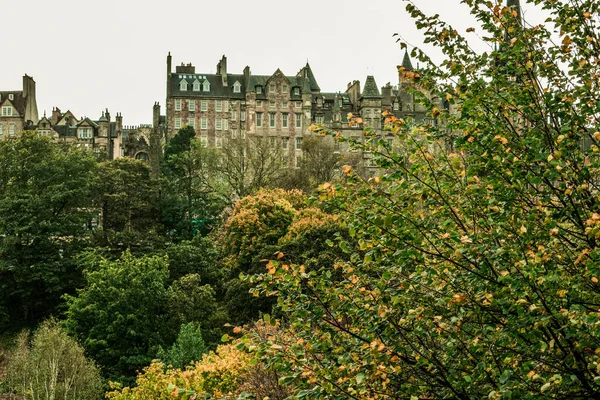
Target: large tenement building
(277, 106)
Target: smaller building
(18, 109)
(101, 136)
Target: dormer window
(85, 133)
(396, 106)
(258, 89)
(11, 97)
(297, 91)
(237, 88)
(206, 86)
(183, 85)
(196, 85)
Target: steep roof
(306, 72)
(406, 63)
(371, 89)
(18, 100)
(216, 85)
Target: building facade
(277, 106)
(18, 109)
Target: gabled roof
(371, 89)
(18, 101)
(87, 121)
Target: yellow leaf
(594, 279)
(347, 169)
(523, 229)
(587, 14)
(280, 255)
(237, 329)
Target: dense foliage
(474, 264)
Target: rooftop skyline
(112, 54)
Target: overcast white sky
(90, 55)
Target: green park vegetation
(465, 266)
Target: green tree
(190, 301)
(474, 259)
(52, 366)
(188, 347)
(119, 315)
(191, 195)
(46, 209)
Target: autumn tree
(474, 259)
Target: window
(272, 88)
(11, 96)
(242, 115)
(219, 124)
(7, 111)
(284, 120)
(237, 88)
(206, 86)
(225, 124)
(218, 105)
(192, 105)
(1, 130)
(84, 133)
(203, 105)
(233, 115)
(299, 143)
(340, 102)
(297, 91)
(177, 122)
(183, 85)
(271, 104)
(218, 141)
(196, 85)
(258, 89)
(225, 106)
(234, 133)
(192, 123)
(258, 119)
(319, 119)
(284, 89)
(258, 103)
(396, 106)
(298, 120)
(271, 120)
(272, 141)
(11, 129)
(284, 104)
(177, 104)
(298, 104)
(204, 141)
(203, 124)
(284, 142)
(242, 134)
(298, 161)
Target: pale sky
(88, 55)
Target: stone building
(277, 106)
(18, 109)
(101, 136)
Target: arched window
(142, 156)
(237, 88)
